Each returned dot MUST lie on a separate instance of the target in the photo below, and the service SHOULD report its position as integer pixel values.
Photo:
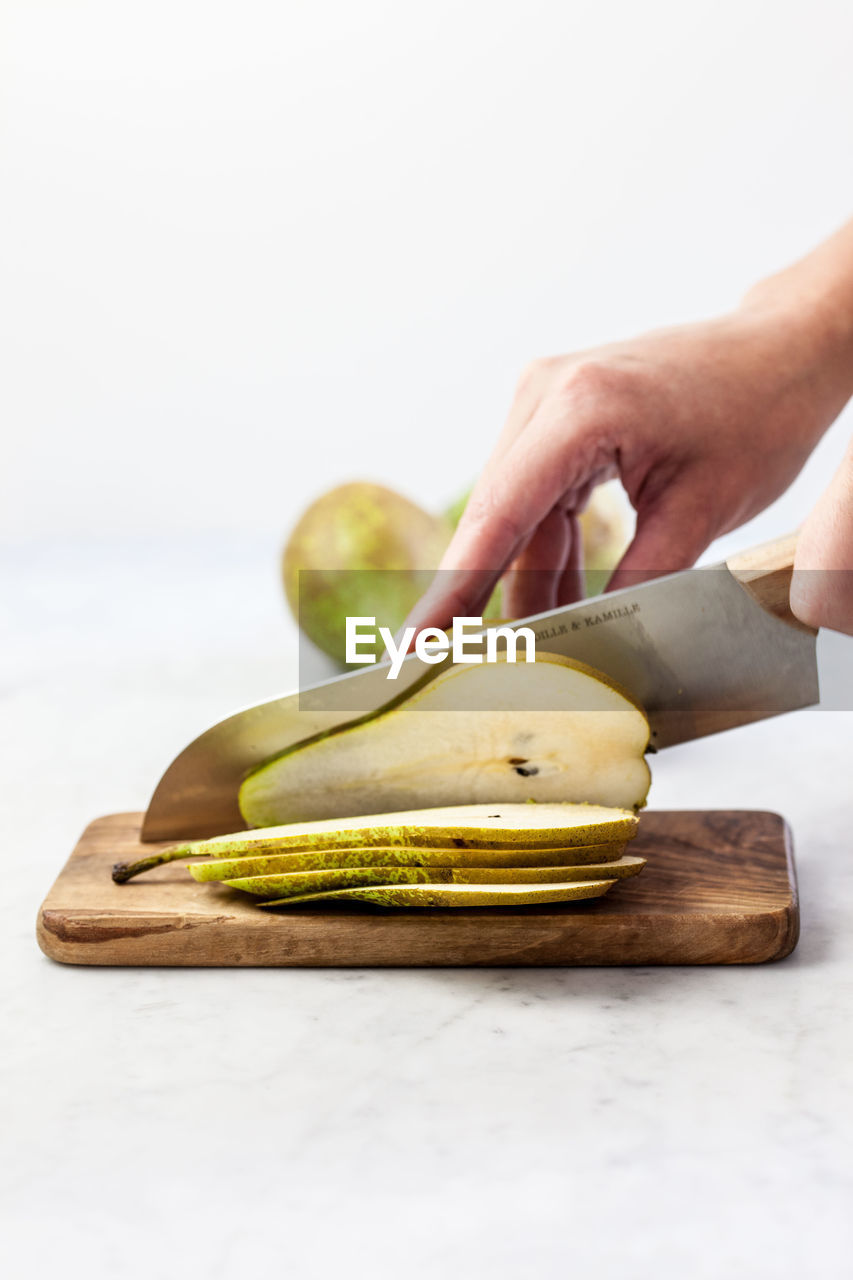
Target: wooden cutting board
(719, 888)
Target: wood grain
(766, 573)
(719, 888)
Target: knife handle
(766, 572)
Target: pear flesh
(493, 827)
(298, 883)
(391, 856)
(552, 730)
(457, 895)
(464, 826)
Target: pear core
(549, 731)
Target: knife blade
(702, 651)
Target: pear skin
(485, 826)
(368, 552)
(391, 856)
(458, 895)
(298, 883)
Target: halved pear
(469, 826)
(385, 856)
(297, 883)
(457, 895)
(551, 730)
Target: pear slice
(384, 856)
(298, 883)
(476, 826)
(457, 895)
(569, 735)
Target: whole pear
(604, 526)
(369, 552)
(605, 530)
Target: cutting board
(719, 888)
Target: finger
(822, 585)
(453, 593)
(670, 536)
(454, 589)
(554, 457)
(572, 584)
(533, 580)
(529, 392)
(528, 396)
(560, 452)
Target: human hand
(822, 587)
(704, 425)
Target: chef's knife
(701, 651)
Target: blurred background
(251, 252)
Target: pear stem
(124, 871)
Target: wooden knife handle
(765, 572)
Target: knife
(702, 651)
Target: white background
(250, 251)
(255, 249)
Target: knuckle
(596, 379)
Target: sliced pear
(621, 869)
(458, 895)
(384, 856)
(568, 734)
(475, 826)
(298, 883)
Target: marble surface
(502, 1123)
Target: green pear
(297, 883)
(604, 526)
(371, 553)
(385, 856)
(476, 826)
(551, 730)
(457, 895)
(605, 530)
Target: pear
(483, 826)
(371, 553)
(551, 730)
(387, 856)
(296, 883)
(605, 531)
(457, 895)
(467, 826)
(604, 527)
(299, 883)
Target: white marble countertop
(503, 1123)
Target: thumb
(822, 586)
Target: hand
(822, 588)
(704, 425)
